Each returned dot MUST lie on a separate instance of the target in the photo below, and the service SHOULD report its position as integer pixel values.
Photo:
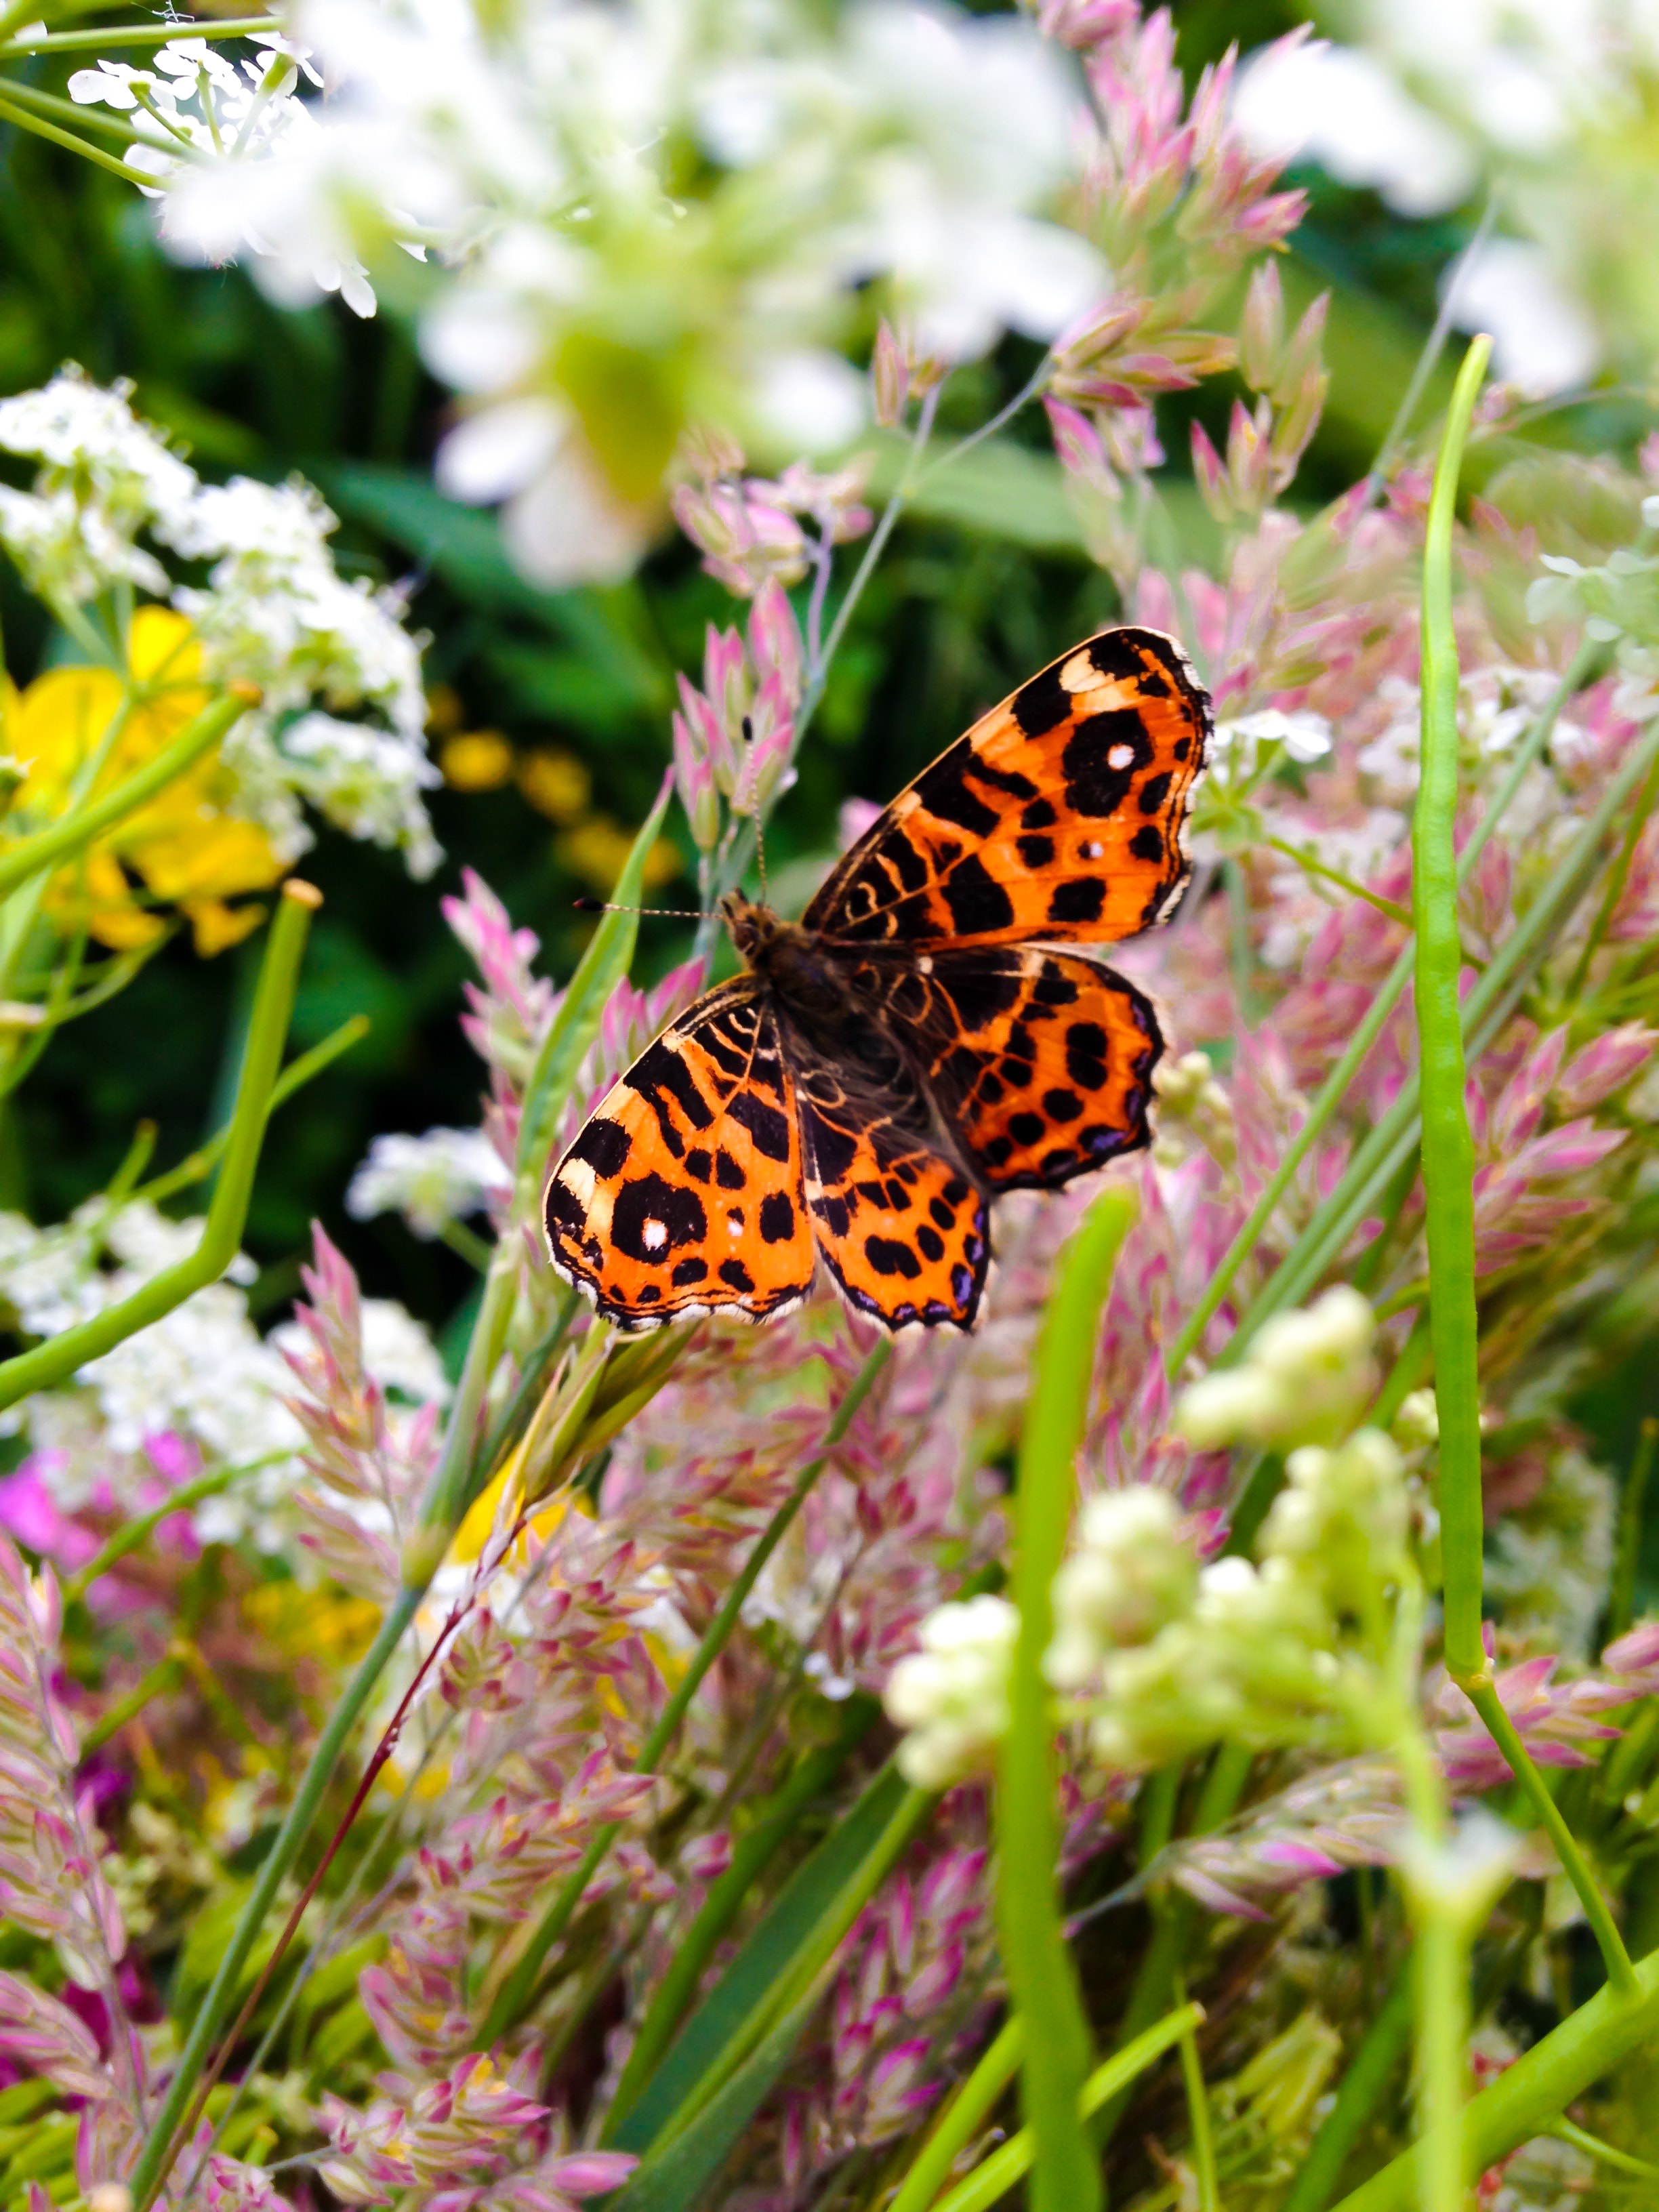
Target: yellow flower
(595, 851)
(185, 848)
(478, 760)
(556, 784)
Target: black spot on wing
(1093, 785)
(1039, 815)
(1085, 1055)
(603, 1145)
(650, 1217)
(890, 1257)
(1155, 790)
(734, 1271)
(1036, 852)
(977, 902)
(687, 1272)
(1062, 1105)
(982, 995)
(777, 1217)
(728, 1174)
(1080, 900)
(765, 1124)
(1042, 704)
(944, 792)
(1147, 844)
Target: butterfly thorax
(789, 958)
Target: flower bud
(1233, 1405)
(952, 1697)
(1416, 1425)
(890, 378)
(1261, 328)
(1130, 1574)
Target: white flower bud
(1418, 1422)
(1343, 1516)
(1332, 1339)
(1130, 1574)
(1233, 1405)
(951, 1695)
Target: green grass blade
(1040, 1975)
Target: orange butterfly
(908, 1050)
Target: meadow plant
(711, 1766)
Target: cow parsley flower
(951, 1695)
(431, 1179)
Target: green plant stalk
(963, 2118)
(1199, 2120)
(139, 35)
(1389, 1144)
(1621, 1602)
(156, 2155)
(1333, 1090)
(1482, 1693)
(38, 127)
(752, 1852)
(1621, 2161)
(1357, 2098)
(162, 1676)
(1387, 908)
(1440, 1972)
(1041, 1978)
(137, 1532)
(59, 1358)
(518, 1988)
(1528, 2096)
(201, 1162)
(1447, 1147)
(993, 2177)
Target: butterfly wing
(900, 1227)
(1062, 816)
(1040, 1062)
(683, 1194)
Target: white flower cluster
(275, 611)
(431, 1179)
(645, 212)
(202, 1375)
(1161, 1656)
(1303, 1379)
(952, 1697)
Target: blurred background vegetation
(550, 711)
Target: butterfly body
(917, 1043)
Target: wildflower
(1305, 1376)
(951, 1695)
(188, 847)
(1129, 1573)
(431, 1179)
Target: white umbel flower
(431, 1179)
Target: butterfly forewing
(683, 1195)
(1059, 818)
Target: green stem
(518, 1988)
(1334, 1088)
(1387, 907)
(1199, 2120)
(162, 1676)
(1482, 1693)
(48, 849)
(1042, 1978)
(139, 35)
(38, 127)
(198, 1164)
(137, 1532)
(962, 2119)
(1448, 1148)
(1357, 2098)
(1620, 2160)
(1526, 2097)
(66, 111)
(60, 1357)
(993, 2177)
(1440, 1972)
(156, 2154)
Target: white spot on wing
(1120, 756)
(579, 1179)
(654, 1236)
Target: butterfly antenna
(664, 912)
(760, 834)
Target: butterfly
(912, 1046)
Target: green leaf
(747, 2029)
(773, 1950)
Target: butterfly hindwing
(1040, 1062)
(902, 1228)
(1060, 817)
(683, 1194)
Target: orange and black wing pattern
(1040, 1063)
(1059, 818)
(902, 1228)
(684, 1193)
